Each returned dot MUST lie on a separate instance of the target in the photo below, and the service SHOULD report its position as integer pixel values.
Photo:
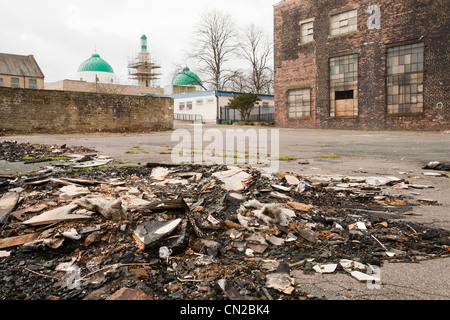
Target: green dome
(95, 64)
(186, 78)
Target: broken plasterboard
(56, 215)
(151, 232)
(234, 179)
(7, 204)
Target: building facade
(99, 87)
(18, 71)
(362, 64)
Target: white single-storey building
(192, 103)
(210, 107)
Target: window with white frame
(344, 22)
(307, 31)
(299, 103)
(181, 106)
(199, 102)
(189, 105)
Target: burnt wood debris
(85, 228)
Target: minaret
(144, 43)
(143, 67)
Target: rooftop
(19, 65)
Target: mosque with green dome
(95, 74)
(95, 69)
(184, 82)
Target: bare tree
(214, 45)
(238, 81)
(256, 49)
(110, 88)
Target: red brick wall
(300, 65)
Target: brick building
(360, 64)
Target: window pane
(344, 22)
(344, 85)
(405, 79)
(15, 83)
(32, 84)
(299, 103)
(307, 32)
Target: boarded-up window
(299, 101)
(405, 79)
(344, 86)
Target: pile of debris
(198, 232)
(68, 157)
(12, 151)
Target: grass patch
(334, 156)
(284, 158)
(27, 158)
(131, 166)
(130, 152)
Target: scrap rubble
(198, 232)
(12, 151)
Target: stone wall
(299, 65)
(32, 111)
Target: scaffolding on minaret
(142, 68)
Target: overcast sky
(61, 34)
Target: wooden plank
(344, 108)
(18, 241)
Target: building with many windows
(362, 64)
(18, 71)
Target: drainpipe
(217, 107)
